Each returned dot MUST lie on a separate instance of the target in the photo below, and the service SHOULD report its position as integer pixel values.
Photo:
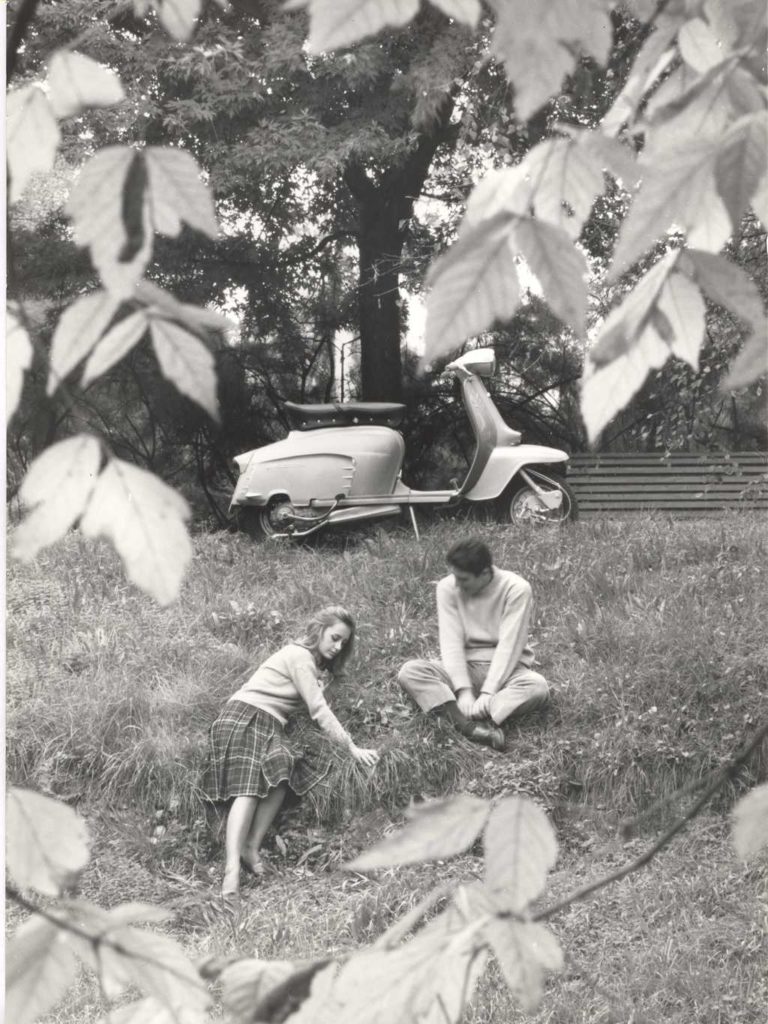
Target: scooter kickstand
(415, 525)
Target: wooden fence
(679, 482)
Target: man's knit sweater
(491, 627)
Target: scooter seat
(346, 414)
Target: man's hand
(466, 701)
(482, 706)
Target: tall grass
(651, 631)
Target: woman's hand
(364, 755)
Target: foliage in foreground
(699, 174)
(429, 977)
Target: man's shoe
(488, 734)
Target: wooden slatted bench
(679, 482)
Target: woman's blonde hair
(319, 622)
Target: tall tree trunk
(385, 208)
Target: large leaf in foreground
(749, 365)
(76, 82)
(39, 968)
(116, 343)
(524, 952)
(32, 136)
(18, 358)
(520, 849)
(144, 520)
(429, 979)
(186, 362)
(539, 44)
(750, 823)
(338, 23)
(606, 389)
(438, 829)
(176, 192)
(110, 215)
(560, 267)
(471, 286)
(57, 487)
(679, 190)
(179, 17)
(47, 842)
(80, 327)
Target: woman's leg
(239, 821)
(262, 819)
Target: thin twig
(728, 772)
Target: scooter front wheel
(521, 504)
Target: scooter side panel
(321, 464)
(504, 463)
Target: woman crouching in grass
(252, 762)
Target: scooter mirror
(481, 361)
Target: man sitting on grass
(485, 673)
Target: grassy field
(651, 631)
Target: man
(484, 674)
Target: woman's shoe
(489, 735)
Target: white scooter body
(344, 462)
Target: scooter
(341, 464)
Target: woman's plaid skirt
(250, 754)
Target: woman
(251, 761)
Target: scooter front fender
(505, 463)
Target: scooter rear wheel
(520, 504)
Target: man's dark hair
(469, 555)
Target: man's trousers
(429, 685)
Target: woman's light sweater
(283, 682)
(490, 627)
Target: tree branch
(719, 779)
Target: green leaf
(437, 830)
(148, 1011)
(690, 108)
(96, 208)
(653, 58)
(741, 164)
(699, 47)
(116, 343)
(144, 520)
(127, 956)
(749, 365)
(539, 44)
(760, 201)
(334, 24)
(245, 983)
(32, 136)
(520, 849)
(78, 330)
(18, 358)
(178, 17)
(678, 189)
(39, 968)
(57, 487)
(431, 978)
(187, 363)
(177, 192)
(728, 285)
(607, 388)
(76, 82)
(681, 303)
(46, 841)
(628, 320)
(560, 268)
(750, 823)
(524, 952)
(471, 285)
(196, 318)
(465, 11)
